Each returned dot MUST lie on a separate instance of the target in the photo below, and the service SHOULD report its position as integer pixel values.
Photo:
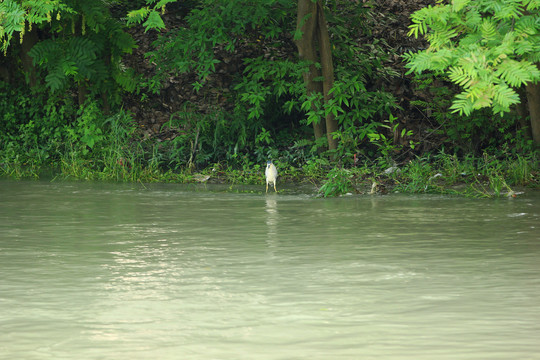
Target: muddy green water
(108, 271)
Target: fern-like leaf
(137, 16)
(459, 76)
(11, 20)
(418, 62)
(458, 5)
(419, 25)
(532, 4)
(126, 79)
(161, 4)
(56, 79)
(517, 73)
(507, 10)
(69, 68)
(154, 21)
(46, 53)
(462, 104)
(505, 96)
(473, 19)
(481, 95)
(488, 29)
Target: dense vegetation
(210, 89)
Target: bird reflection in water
(271, 219)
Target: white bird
(271, 175)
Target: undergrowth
(58, 138)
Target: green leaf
(457, 5)
(459, 76)
(137, 16)
(56, 79)
(69, 67)
(488, 29)
(154, 21)
(505, 96)
(462, 104)
(162, 3)
(517, 73)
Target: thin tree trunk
(327, 67)
(522, 110)
(307, 24)
(82, 93)
(29, 40)
(533, 98)
(105, 94)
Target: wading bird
(271, 175)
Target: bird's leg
(275, 187)
(267, 187)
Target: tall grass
(486, 176)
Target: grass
(486, 176)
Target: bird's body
(271, 175)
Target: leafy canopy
(15, 14)
(487, 47)
(82, 43)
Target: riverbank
(486, 176)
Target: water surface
(115, 271)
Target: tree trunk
(522, 110)
(314, 46)
(307, 24)
(533, 98)
(327, 67)
(105, 94)
(82, 92)
(29, 40)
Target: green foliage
(87, 133)
(387, 145)
(151, 15)
(358, 111)
(107, 152)
(485, 176)
(355, 108)
(418, 176)
(216, 23)
(465, 134)
(280, 82)
(83, 44)
(359, 107)
(208, 138)
(338, 183)
(487, 47)
(15, 14)
(74, 58)
(32, 128)
(266, 92)
(264, 82)
(269, 88)
(39, 133)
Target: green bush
(338, 182)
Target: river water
(116, 271)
